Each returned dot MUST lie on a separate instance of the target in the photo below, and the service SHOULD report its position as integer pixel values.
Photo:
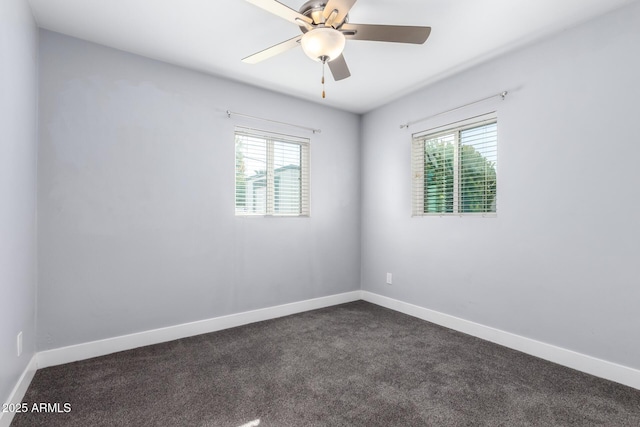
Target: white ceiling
(213, 36)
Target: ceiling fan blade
(387, 33)
(339, 68)
(342, 6)
(273, 50)
(281, 10)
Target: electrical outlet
(389, 279)
(19, 343)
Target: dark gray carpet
(355, 364)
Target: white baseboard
(19, 390)
(103, 347)
(581, 362)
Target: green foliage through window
(455, 171)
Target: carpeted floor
(355, 364)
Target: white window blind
(272, 173)
(454, 168)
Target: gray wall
(560, 263)
(136, 198)
(18, 175)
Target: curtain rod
(502, 94)
(231, 113)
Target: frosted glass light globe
(323, 42)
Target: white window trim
(270, 138)
(417, 172)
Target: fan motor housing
(313, 9)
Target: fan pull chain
(323, 66)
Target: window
(454, 168)
(272, 174)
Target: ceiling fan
(325, 27)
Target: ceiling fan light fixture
(323, 43)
